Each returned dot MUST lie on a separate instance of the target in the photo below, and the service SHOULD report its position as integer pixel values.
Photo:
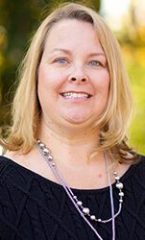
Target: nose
(78, 75)
(73, 79)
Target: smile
(76, 95)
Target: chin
(77, 120)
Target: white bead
(79, 203)
(41, 145)
(50, 158)
(45, 150)
(119, 185)
(74, 197)
(121, 194)
(120, 200)
(86, 210)
(93, 217)
(99, 220)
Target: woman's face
(73, 78)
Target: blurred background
(126, 18)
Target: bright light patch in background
(115, 7)
(140, 11)
(114, 11)
(117, 11)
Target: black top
(35, 208)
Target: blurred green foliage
(135, 62)
(18, 21)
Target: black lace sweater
(35, 208)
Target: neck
(75, 146)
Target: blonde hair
(26, 109)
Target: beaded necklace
(83, 210)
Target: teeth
(75, 95)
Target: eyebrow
(68, 52)
(60, 50)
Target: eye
(61, 60)
(95, 63)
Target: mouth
(76, 95)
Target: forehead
(70, 33)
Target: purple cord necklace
(85, 211)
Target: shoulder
(4, 164)
(139, 167)
(135, 176)
(12, 174)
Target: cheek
(102, 83)
(49, 79)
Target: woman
(68, 172)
